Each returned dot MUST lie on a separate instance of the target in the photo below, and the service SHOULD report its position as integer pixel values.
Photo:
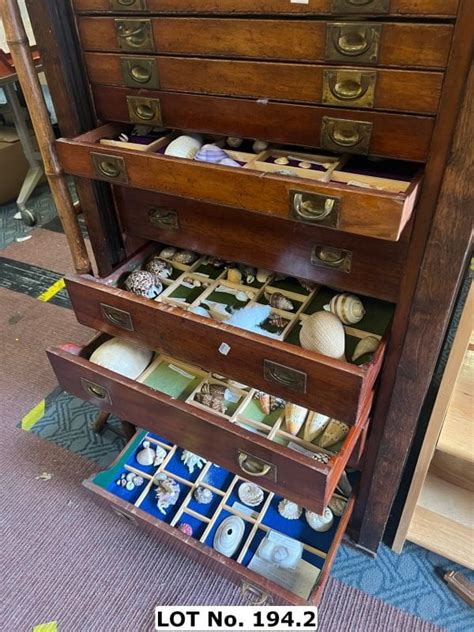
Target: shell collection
(321, 523)
(143, 283)
(203, 495)
(294, 417)
(185, 528)
(192, 461)
(347, 307)
(251, 494)
(323, 333)
(229, 535)
(159, 267)
(130, 481)
(289, 510)
(167, 492)
(269, 403)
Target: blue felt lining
(218, 477)
(149, 504)
(177, 467)
(122, 492)
(205, 510)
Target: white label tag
(224, 349)
(181, 371)
(299, 1)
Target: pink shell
(185, 528)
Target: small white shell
(241, 296)
(251, 494)
(259, 146)
(322, 522)
(123, 357)
(146, 456)
(347, 307)
(323, 332)
(160, 455)
(369, 344)
(289, 510)
(263, 275)
(138, 480)
(282, 160)
(184, 147)
(130, 486)
(229, 535)
(130, 476)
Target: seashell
(123, 357)
(278, 321)
(184, 147)
(215, 403)
(334, 432)
(289, 510)
(215, 155)
(337, 505)
(146, 456)
(282, 160)
(160, 455)
(241, 296)
(234, 275)
(304, 165)
(344, 485)
(321, 457)
(229, 535)
(323, 332)
(130, 476)
(159, 267)
(307, 285)
(130, 486)
(143, 283)
(322, 522)
(192, 461)
(185, 528)
(203, 496)
(216, 390)
(314, 426)
(167, 492)
(347, 307)
(251, 494)
(186, 257)
(278, 300)
(168, 252)
(234, 142)
(248, 272)
(264, 401)
(369, 344)
(138, 480)
(259, 146)
(294, 418)
(263, 275)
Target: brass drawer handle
(164, 218)
(349, 86)
(353, 136)
(140, 72)
(135, 35)
(354, 40)
(252, 466)
(255, 596)
(96, 390)
(330, 257)
(110, 167)
(361, 6)
(117, 317)
(313, 207)
(285, 376)
(128, 5)
(144, 110)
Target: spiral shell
(368, 344)
(347, 307)
(318, 522)
(278, 300)
(323, 332)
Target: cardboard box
(13, 165)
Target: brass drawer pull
(110, 167)
(348, 86)
(315, 208)
(353, 39)
(128, 5)
(140, 72)
(351, 136)
(255, 467)
(96, 390)
(378, 7)
(255, 596)
(164, 218)
(117, 317)
(330, 257)
(285, 376)
(144, 110)
(135, 35)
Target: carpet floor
(73, 564)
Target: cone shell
(265, 403)
(347, 307)
(294, 418)
(323, 332)
(314, 426)
(368, 344)
(333, 433)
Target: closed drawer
(140, 506)
(347, 43)
(360, 87)
(288, 247)
(274, 362)
(348, 202)
(441, 8)
(243, 440)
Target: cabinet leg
(100, 422)
(128, 429)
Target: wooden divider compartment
(275, 364)
(406, 45)
(375, 212)
(139, 506)
(303, 472)
(395, 8)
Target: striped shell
(347, 307)
(278, 300)
(323, 332)
(215, 155)
(294, 418)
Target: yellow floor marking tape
(33, 416)
(52, 626)
(51, 291)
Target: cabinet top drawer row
(441, 8)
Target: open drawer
(372, 198)
(186, 321)
(243, 438)
(247, 564)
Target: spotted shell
(168, 252)
(347, 307)
(334, 432)
(160, 267)
(294, 417)
(318, 522)
(186, 257)
(289, 510)
(229, 535)
(278, 300)
(323, 332)
(143, 283)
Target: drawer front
(346, 43)
(331, 387)
(363, 87)
(281, 469)
(405, 137)
(272, 243)
(441, 8)
(372, 213)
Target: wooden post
(21, 55)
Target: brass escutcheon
(330, 257)
(349, 87)
(128, 5)
(315, 208)
(117, 317)
(164, 218)
(347, 135)
(144, 110)
(255, 595)
(96, 390)
(255, 467)
(372, 7)
(353, 40)
(111, 168)
(140, 72)
(285, 376)
(135, 35)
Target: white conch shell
(344, 485)
(314, 426)
(289, 510)
(322, 522)
(347, 307)
(337, 505)
(334, 432)
(323, 332)
(122, 356)
(184, 147)
(147, 455)
(229, 535)
(294, 418)
(368, 344)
